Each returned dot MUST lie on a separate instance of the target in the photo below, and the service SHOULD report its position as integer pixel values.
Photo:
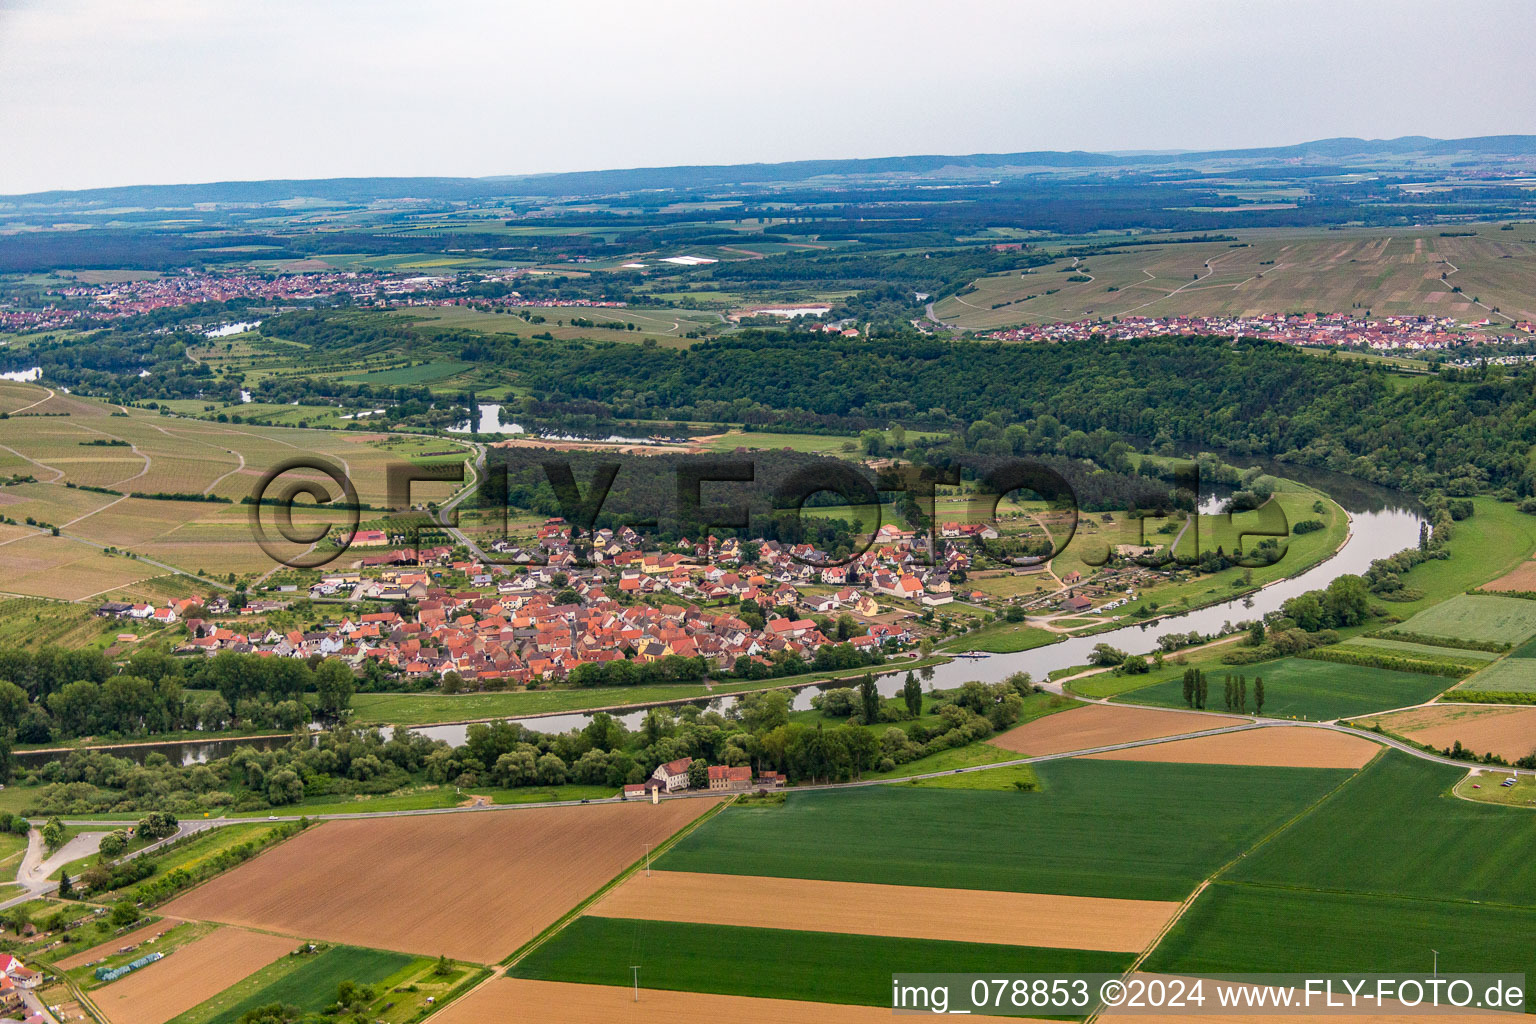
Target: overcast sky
(116, 92)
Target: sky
(107, 92)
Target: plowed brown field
(514, 999)
(474, 885)
(1278, 746)
(960, 915)
(193, 973)
(1098, 725)
(1509, 732)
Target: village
(541, 615)
(1405, 333)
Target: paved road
(35, 869)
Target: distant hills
(1342, 152)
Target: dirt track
(1277, 746)
(959, 915)
(514, 999)
(1098, 725)
(474, 886)
(193, 973)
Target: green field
(1511, 675)
(1510, 620)
(1395, 830)
(1244, 928)
(307, 982)
(1497, 538)
(1423, 652)
(776, 964)
(1302, 688)
(1096, 828)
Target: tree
(123, 913)
(1103, 654)
(869, 699)
(54, 834)
(1191, 681)
(66, 887)
(1227, 692)
(444, 967)
(1258, 695)
(334, 685)
(113, 844)
(698, 774)
(158, 825)
(1201, 690)
(912, 693)
(1242, 693)
(1256, 632)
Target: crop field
(1274, 746)
(666, 326)
(156, 993)
(1424, 652)
(1509, 732)
(1245, 928)
(507, 999)
(159, 454)
(1307, 689)
(1095, 725)
(1276, 271)
(915, 912)
(1509, 675)
(1423, 842)
(483, 884)
(778, 963)
(1136, 831)
(310, 985)
(1510, 620)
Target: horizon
(1173, 155)
(169, 91)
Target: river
(1382, 523)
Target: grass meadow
(776, 964)
(1302, 688)
(1095, 828)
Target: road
(35, 867)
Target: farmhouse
(673, 775)
(728, 777)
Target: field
(1422, 842)
(512, 998)
(481, 884)
(1510, 675)
(1521, 577)
(1276, 746)
(1280, 270)
(1306, 689)
(1242, 928)
(1508, 732)
(158, 992)
(307, 982)
(1495, 540)
(1134, 831)
(777, 963)
(149, 540)
(1095, 725)
(1510, 620)
(956, 915)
